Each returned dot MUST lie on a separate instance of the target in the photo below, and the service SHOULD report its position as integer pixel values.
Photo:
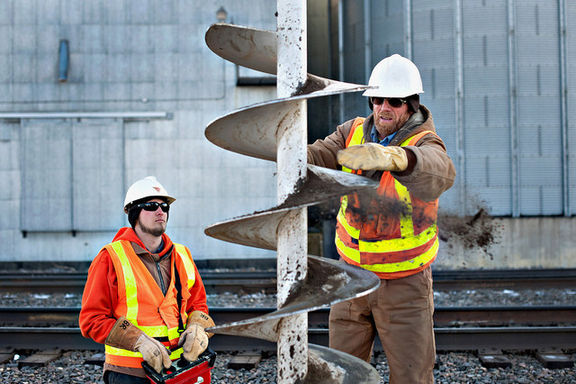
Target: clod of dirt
(478, 231)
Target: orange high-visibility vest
(142, 302)
(394, 234)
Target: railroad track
(443, 316)
(511, 328)
(265, 281)
(447, 339)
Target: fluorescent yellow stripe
(124, 352)
(414, 263)
(188, 266)
(350, 253)
(396, 245)
(121, 352)
(152, 331)
(353, 232)
(129, 281)
(406, 225)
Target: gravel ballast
(453, 368)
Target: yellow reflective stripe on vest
(161, 331)
(406, 224)
(353, 232)
(129, 282)
(188, 266)
(413, 263)
(124, 352)
(357, 138)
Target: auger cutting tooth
(260, 228)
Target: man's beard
(158, 231)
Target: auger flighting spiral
(276, 130)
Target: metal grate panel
(46, 176)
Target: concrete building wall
(63, 174)
(63, 178)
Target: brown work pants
(401, 312)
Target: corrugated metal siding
(570, 44)
(354, 59)
(433, 43)
(539, 108)
(505, 130)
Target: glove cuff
(124, 335)
(202, 319)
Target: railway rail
(510, 328)
(265, 281)
(447, 339)
(443, 316)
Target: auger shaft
(291, 168)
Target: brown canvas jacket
(430, 170)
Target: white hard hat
(146, 187)
(394, 76)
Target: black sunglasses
(152, 206)
(394, 102)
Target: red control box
(184, 372)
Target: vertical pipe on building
(71, 176)
(513, 107)
(564, 110)
(367, 40)
(341, 55)
(408, 29)
(291, 162)
(459, 104)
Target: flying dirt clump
(478, 231)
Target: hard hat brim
(375, 92)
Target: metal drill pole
(291, 162)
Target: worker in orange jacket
(144, 298)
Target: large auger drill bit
(252, 131)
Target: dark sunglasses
(152, 206)
(394, 102)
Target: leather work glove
(372, 157)
(125, 335)
(194, 340)
(153, 352)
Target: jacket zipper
(162, 286)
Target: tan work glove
(125, 335)
(372, 157)
(153, 352)
(194, 340)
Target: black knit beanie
(133, 215)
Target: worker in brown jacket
(391, 232)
